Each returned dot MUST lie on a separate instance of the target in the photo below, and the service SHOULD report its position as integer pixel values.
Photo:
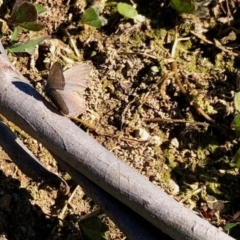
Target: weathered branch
(131, 224)
(22, 105)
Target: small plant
(24, 15)
(92, 228)
(93, 18)
(232, 222)
(236, 125)
(127, 10)
(183, 6)
(27, 47)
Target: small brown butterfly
(66, 89)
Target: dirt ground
(164, 107)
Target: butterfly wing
(73, 103)
(57, 99)
(65, 89)
(56, 78)
(76, 76)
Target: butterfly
(66, 88)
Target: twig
(176, 43)
(64, 209)
(182, 89)
(90, 126)
(14, 127)
(198, 109)
(72, 43)
(175, 121)
(140, 53)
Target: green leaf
(25, 13)
(237, 101)
(27, 47)
(237, 158)
(32, 26)
(127, 10)
(40, 9)
(92, 228)
(236, 124)
(17, 4)
(229, 226)
(15, 34)
(92, 18)
(183, 6)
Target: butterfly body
(66, 89)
